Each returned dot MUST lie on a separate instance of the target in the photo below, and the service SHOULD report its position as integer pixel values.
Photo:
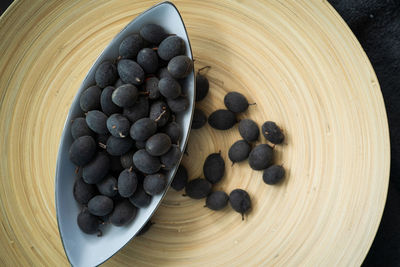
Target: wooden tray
(296, 59)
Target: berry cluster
(260, 157)
(128, 139)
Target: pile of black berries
(128, 139)
(260, 157)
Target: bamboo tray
(296, 59)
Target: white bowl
(89, 250)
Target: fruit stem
(242, 216)
(100, 233)
(251, 104)
(103, 146)
(159, 116)
(77, 170)
(203, 68)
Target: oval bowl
(89, 250)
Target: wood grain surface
(296, 59)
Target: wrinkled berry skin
(272, 132)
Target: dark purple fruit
(199, 119)
(125, 96)
(118, 83)
(100, 205)
(140, 198)
(171, 47)
(127, 183)
(97, 121)
(83, 192)
(202, 87)
(80, 128)
(171, 158)
(88, 223)
(138, 111)
(106, 74)
(174, 131)
(82, 150)
(214, 168)
(158, 144)
(126, 160)
(261, 157)
(108, 186)
(146, 163)
(130, 72)
(239, 151)
(180, 66)
(151, 87)
(240, 201)
(272, 132)
(179, 104)
(123, 213)
(119, 146)
(90, 99)
(142, 129)
(147, 58)
(160, 113)
(154, 184)
(163, 73)
(107, 105)
(118, 125)
(236, 102)
(273, 174)
(180, 179)
(153, 33)
(96, 169)
(169, 88)
(130, 46)
(248, 129)
(222, 119)
(217, 200)
(198, 188)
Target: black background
(376, 24)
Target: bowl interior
(90, 250)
